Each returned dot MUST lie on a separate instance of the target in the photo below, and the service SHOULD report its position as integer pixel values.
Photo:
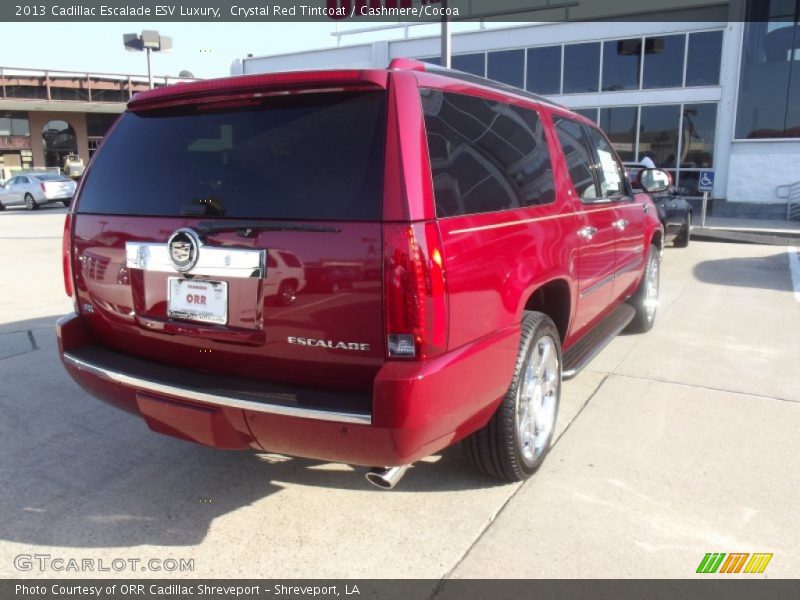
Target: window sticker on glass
(613, 182)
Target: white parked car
(286, 276)
(34, 189)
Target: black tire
(644, 319)
(287, 293)
(2, 207)
(682, 239)
(30, 203)
(66, 203)
(498, 449)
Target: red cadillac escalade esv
(363, 266)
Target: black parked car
(674, 211)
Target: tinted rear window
(296, 157)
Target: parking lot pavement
(672, 444)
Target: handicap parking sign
(706, 181)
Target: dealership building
(720, 94)
(46, 115)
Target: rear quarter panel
(495, 261)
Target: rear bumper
(44, 198)
(417, 408)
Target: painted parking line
(794, 269)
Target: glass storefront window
(20, 126)
(769, 102)
(507, 66)
(58, 140)
(581, 67)
(792, 126)
(544, 70)
(433, 60)
(589, 113)
(663, 61)
(658, 134)
(621, 64)
(470, 63)
(698, 126)
(705, 52)
(14, 123)
(660, 128)
(619, 123)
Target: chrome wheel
(30, 203)
(651, 292)
(537, 399)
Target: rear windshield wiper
(248, 228)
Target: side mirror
(654, 180)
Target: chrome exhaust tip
(386, 477)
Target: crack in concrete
(437, 589)
(31, 340)
(708, 388)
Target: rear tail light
(41, 185)
(415, 291)
(66, 255)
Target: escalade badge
(184, 249)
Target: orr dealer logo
(735, 562)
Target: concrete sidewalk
(686, 448)
(748, 231)
(751, 225)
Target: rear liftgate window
(485, 156)
(308, 156)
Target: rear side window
(291, 260)
(485, 156)
(310, 156)
(49, 177)
(579, 160)
(609, 171)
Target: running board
(584, 350)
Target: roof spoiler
(255, 86)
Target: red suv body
(432, 213)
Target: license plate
(196, 300)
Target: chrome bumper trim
(148, 385)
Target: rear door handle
(587, 232)
(621, 224)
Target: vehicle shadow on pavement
(768, 272)
(79, 473)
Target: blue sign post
(705, 184)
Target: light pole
(447, 49)
(148, 41)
